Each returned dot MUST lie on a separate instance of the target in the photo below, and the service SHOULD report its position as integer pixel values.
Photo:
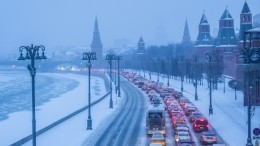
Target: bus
(155, 120)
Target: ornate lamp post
(182, 68)
(235, 87)
(211, 58)
(110, 58)
(158, 72)
(249, 55)
(115, 71)
(89, 56)
(118, 58)
(196, 77)
(224, 83)
(168, 72)
(32, 53)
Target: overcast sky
(64, 23)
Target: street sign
(256, 131)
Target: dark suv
(200, 124)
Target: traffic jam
(189, 126)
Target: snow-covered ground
(230, 116)
(59, 104)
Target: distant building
(226, 43)
(141, 46)
(204, 41)
(141, 53)
(96, 45)
(226, 33)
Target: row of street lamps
(32, 53)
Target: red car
(200, 124)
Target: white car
(183, 136)
(182, 128)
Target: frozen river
(57, 95)
(15, 89)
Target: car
(158, 137)
(163, 93)
(151, 93)
(194, 116)
(177, 122)
(200, 124)
(148, 89)
(177, 116)
(166, 98)
(179, 93)
(183, 136)
(189, 110)
(144, 87)
(156, 101)
(208, 137)
(140, 84)
(185, 144)
(182, 127)
(183, 102)
(155, 144)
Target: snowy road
(124, 128)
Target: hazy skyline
(65, 23)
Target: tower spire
(245, 20)
(96, 36)
(96, 45)
(186, 33)
(226, 33)
(204, 37)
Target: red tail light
(208, 126)
(214, 138)
(195, 125)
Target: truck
(155, 120)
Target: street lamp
(211, 58)
(115, 72)
(118, 58)
(224, 83)
(249, 55)
(168, 72)
(110, 58)
(89, 56)
(158, 72)
(32, 53)
(182, 68)
(235, 87)
(196, 77)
